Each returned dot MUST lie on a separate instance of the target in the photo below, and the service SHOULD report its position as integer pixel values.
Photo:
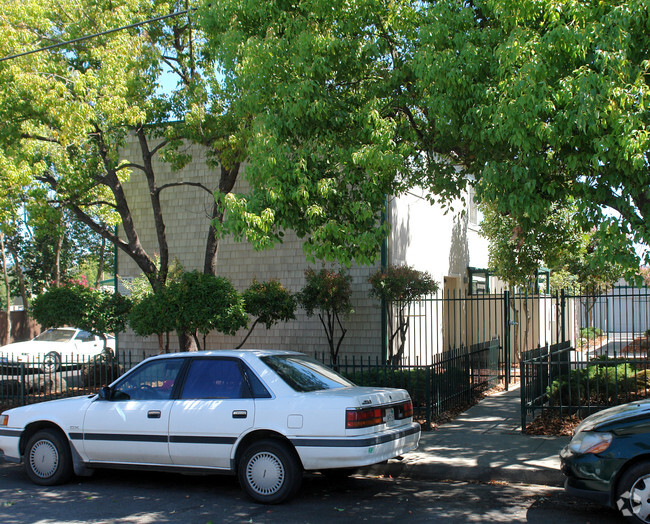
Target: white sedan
(55, 348)
(264, 415)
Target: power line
(88, 37)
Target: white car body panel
(206, 433)
(125, 432)
(210, 443)
(81, 347)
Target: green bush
(605, 381)
(591, 332)
(420, 384)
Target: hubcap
(265, 473)
(44, 459)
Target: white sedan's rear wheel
(269, 472)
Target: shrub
(606, 381)
(591, 333)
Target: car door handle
(240, 413)
(153, 414)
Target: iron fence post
(429, 387)
(522, 390)
(23, 386)
(506, 335)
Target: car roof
(229, 353)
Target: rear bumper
(364, 450)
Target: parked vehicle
(261, 414)
(608, 460)
(56, 347)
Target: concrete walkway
(484, 444)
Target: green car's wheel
(633, 493)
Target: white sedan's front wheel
(269, 472)
(48, 460)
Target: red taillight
(407, 409)
(363, 418)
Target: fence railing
(31, 379)
(451, 380)
(563, 380)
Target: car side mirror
(104, 393)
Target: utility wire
(88, 37)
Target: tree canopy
(543, 103)
(69, 112)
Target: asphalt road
(135, 497)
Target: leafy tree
(152, 315)
(645, 275)
(557, 242)
(543, 102)
(269, 302)
(400, 286)
(328, 294)
(86, 308)
(195, 303)
(69, 112)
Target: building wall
(426, 238)
(445, 245)
(186, 212)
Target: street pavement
(483, 444)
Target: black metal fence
(31, 379)
(452, 379)
(602, 360)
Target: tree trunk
(20, 274)
(57, 261)
(7, 335)
(226, 183)
(100, 265)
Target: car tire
(633, 493)
(269, 472)
(48, 460)
(51, 362)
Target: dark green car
(608, 460)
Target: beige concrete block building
(422, 236)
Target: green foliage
(152, 315)
(195, 303)
(61, 306)
(591, 333)
(96, 311)
(401, 284)
(518, 249)
(328, 294)
(269, 302)
(326, 291)
(605, 381)
(545, 103)
(423, 385)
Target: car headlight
(590, 442)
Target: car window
(151, 381)
(55, 335)
(215, 378)
(84, 336)
(304, 374)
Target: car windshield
(305, 374)
(56, 335)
